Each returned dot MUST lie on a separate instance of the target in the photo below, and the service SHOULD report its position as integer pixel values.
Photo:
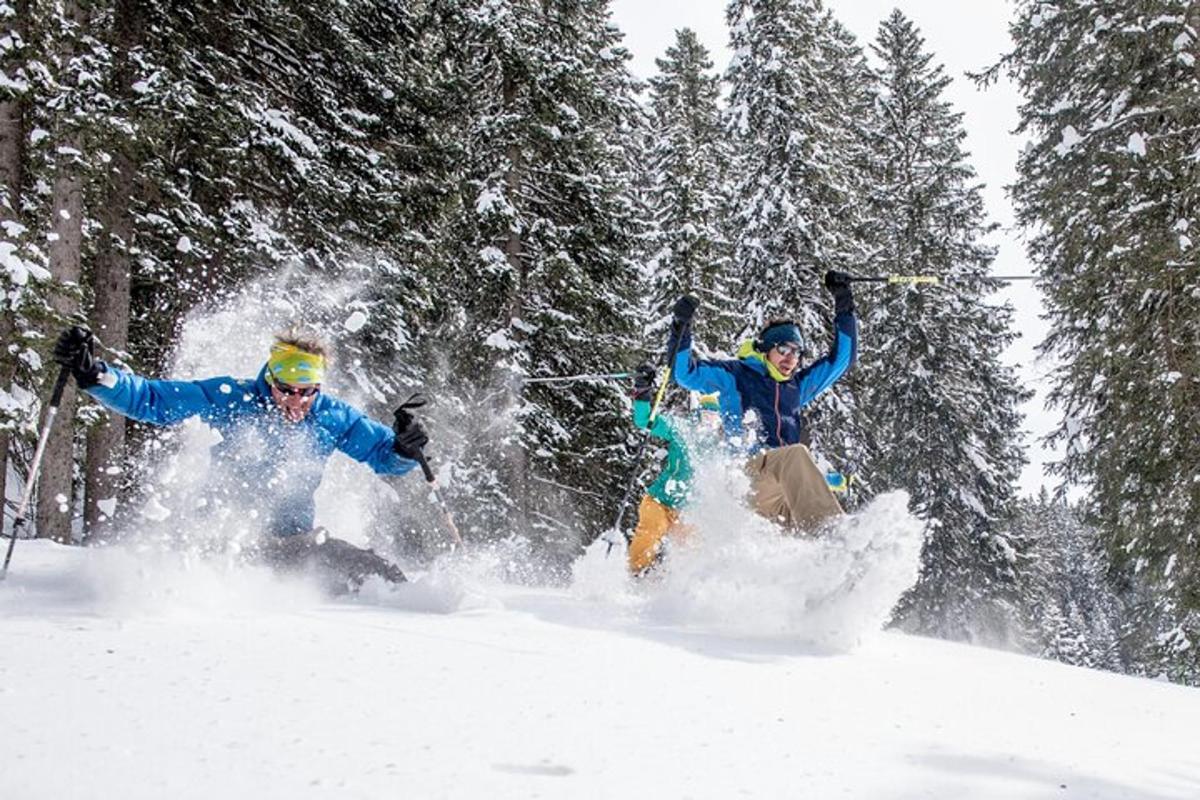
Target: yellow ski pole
(934, 280)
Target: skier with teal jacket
(658, 512)
(277, 432)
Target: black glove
(838, 284)
(73, 350)
(410, 436)
(681, 323)
(643, 382)
(683, 310)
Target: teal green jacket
(674, 483)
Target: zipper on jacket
(778, 419)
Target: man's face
(785, 357)
(294, 402)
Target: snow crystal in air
(355, 321)
(108, 506)
(155, 511)
(184, 245)
(1137, 144)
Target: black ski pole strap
(415, 400)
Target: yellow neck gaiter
(291, 365)
(747, 351)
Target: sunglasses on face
(786, 350)
(296, 391)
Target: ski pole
(607, 376)
(416, 400)
(934, 280)
(51, 412)
(637, 458)
(441, 501)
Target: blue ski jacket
(260, 454)
(745, 384)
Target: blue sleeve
(169, 402)
(820, 375)
(701, 375)
(370, 442)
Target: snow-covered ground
(140, 675)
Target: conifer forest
(466, 196)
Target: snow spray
(736, 574)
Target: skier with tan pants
(766, 378)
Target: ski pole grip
(60, 384)
(424, 462)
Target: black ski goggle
(296, 391)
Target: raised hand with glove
(75, 351)
(681, 322)
(838, 284)
(643, 382)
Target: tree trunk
(58, 463)
(516, 456)
(111, 286)
(54, 500)
(12, 157)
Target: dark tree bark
(54, 500)
(12, 158)
(111, 279)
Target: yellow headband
(291, 365)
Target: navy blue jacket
(746, 384)
(260, 454)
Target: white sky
(963, 37)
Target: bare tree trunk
(516, 456)
(58, 464)
(111, 288)
(111, 285)
(12, 158)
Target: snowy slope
(125, 675)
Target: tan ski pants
(787, 487)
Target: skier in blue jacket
(277, 430)
(766, 379)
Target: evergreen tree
(1110, 188)
(797, 194)
(1068, 605)
(941, 408)
(23, 274)
(544, 284)
(191, 147)
(799, 100)
(688, 172)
